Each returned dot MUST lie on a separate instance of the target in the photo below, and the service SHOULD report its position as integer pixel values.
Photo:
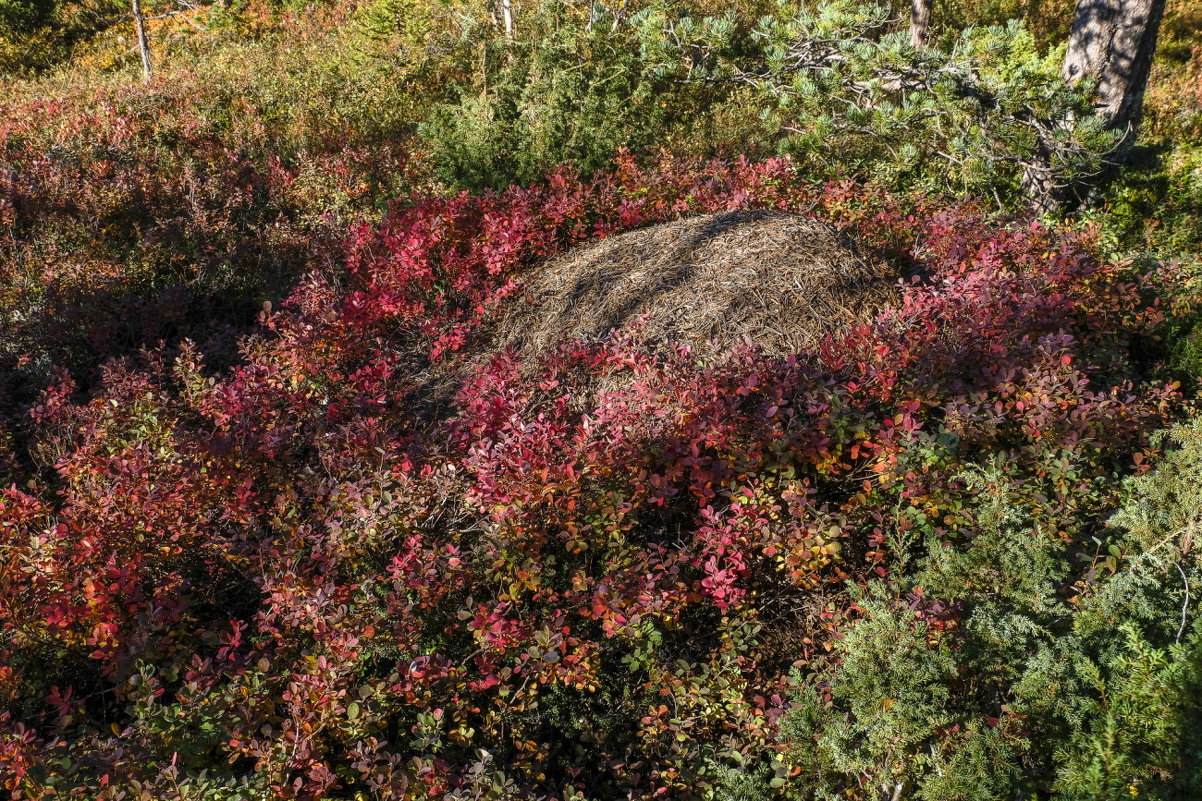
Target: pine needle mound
(779, 280)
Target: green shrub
(836, 85)
(1011, 663)
(20, 16)
(572, 88)
(39, 34)
(840, 88)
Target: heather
(282, 518)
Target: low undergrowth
(611, 570)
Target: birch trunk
(143, 44)
(507, 17)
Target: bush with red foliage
(292, 578)
(133, 214)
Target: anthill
(782, 281)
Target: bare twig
(1185, 605)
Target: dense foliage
(606, 572)
(177, 209)
(277, 520)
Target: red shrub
(293, 570)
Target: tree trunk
(143, 44)
(1112, 42)
(1039, 182)
(920, 22)
(507, 17)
